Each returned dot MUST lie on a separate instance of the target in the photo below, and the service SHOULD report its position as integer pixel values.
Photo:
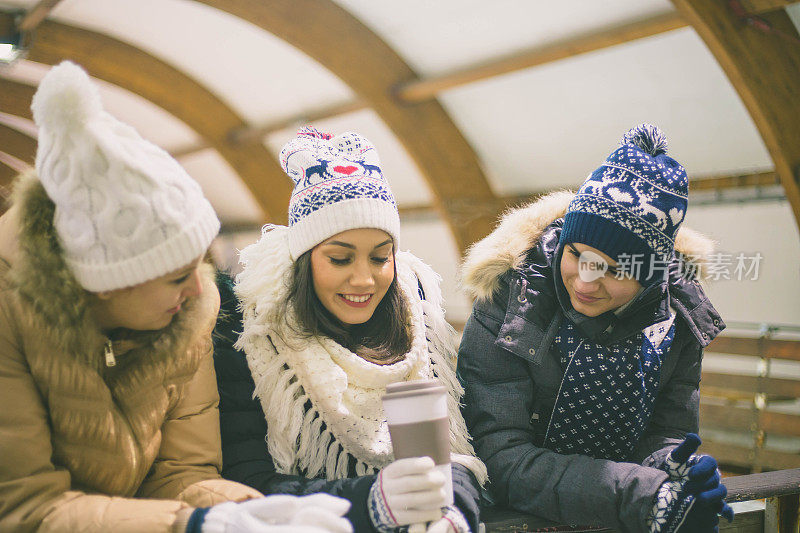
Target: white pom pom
(66, 98)
(647, 138)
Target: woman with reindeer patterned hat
(581, 360)
(330, 313)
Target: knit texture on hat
(633, 203)
(338, 186)
(126, 211)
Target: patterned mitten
(671, 508)
(692, 497)
(699, 472)
(406, 491)
(453, 521)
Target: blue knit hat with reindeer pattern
(338, 186)
(633, 203)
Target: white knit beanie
(125, 211)
(338, 186)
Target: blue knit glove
(692, 498)
(701, 474)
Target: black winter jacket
(511, 373)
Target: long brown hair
(385, 338)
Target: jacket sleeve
(189, 459)
(572, 489)
(676, 410)
(467, 495)
(245, 456)
(35, 494)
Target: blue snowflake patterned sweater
(607, 393)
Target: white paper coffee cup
(416, 412)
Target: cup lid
(419, 386)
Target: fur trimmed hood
(519, 230)
(38, 274)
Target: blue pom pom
(647, 138)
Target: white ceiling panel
(260, 76)
(230, 197)
(552, 125)
(432, 242)
(794, 13)
(767, 229)
(439, 37)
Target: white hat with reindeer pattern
(338, 186)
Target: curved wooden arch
(133, 69)
(18, 144)
(7, 175)
(16, 98)
(16, 101)
(10, 168)
(764, 68)
(350, 50)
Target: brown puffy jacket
(87, 447)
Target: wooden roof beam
(430, 88)
(256, 134)
(756, 7)
(341, 43)
(734, 181)
(419, 90)
(11, 167)
(764, 68)
(18, 144)
(707, 183)
(133, 69)
(465, 211)
(36, 14)
(16, 98)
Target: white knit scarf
(344, 390)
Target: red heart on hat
(345, 170)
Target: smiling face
(352, 272)
(150, 305)
(592, 292)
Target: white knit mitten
(407, 491)
(317, 513)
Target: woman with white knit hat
(109, 419)
(326, 314)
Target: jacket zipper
(108, 350)
(111, 360)
(558, 395)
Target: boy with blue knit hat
(581, 360)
